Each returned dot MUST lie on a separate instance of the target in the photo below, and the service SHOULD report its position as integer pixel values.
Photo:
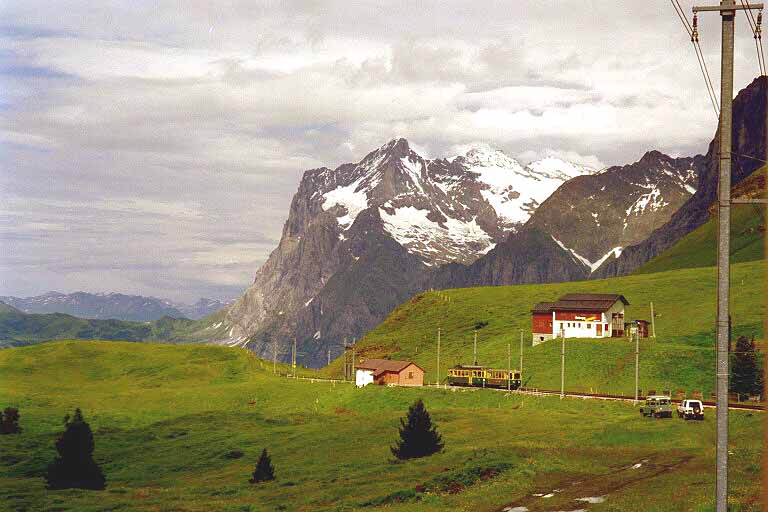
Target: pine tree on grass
(9, 421)
(746, 373)
(264, 470)
(75, 467)
(418, 437)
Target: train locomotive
(483, 377)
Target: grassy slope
(699, 248)
(165, 416)
(681, 357)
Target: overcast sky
(153, 147)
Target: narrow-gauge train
(483, 377)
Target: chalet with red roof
(388, 372)
(579, 315)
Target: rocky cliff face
(749, 140)
(361, 238)
(596, 216)
(364, 237)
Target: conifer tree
(746, 372)
(9, 421)
(74, 467)
(264, 470)
(418, 437)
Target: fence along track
(547, 392)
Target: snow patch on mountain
(616, 252)
(515, 191)
(351, 198)
(434, 208)
(411, 228)
(652, 200)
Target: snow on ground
(413, 170)
(411, 228)
(511, 186)
(616, 251)
(592, 499)
(652, 200)
(349, 197)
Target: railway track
(601, 396)
(553, 392)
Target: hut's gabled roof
(385, 365)
(581, 302)
(612, 297)
(543, 307)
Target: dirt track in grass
(578, 492)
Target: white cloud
(205, 117)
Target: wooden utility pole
(727, 10)
(293, 358)
(329, 357)
(274, 356)
(509, 367)
(562, 365)
(653, 322)
(637, 363)
(475, 349)
(437, 380)
(346, 363)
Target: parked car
(658, 406)
(691, 409)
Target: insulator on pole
(695, 33)
(758, 26)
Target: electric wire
(756, 31)
(692, 31)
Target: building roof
(612, 297)
(581, 302)
(543, 307)
(385, 365)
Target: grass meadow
(682, 355)
(171, 421)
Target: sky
(153, 147)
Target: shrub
(74, 467)
(746, 373)
(264, 470)
(418, 437)
(9, 421)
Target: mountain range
(115, 306)
(366, 236)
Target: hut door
(599, 329)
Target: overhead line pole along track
(727, 10)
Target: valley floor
(170, 421)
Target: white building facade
(586, 315)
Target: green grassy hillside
(18, 328)
(699, 248)
(681, 357)
(179, 428)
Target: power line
(693, 33)
(755, 26)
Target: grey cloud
(111, 118)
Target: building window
(410, 375)
(589, 326)
(579, 325)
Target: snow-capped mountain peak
(443, 210)
(557, 168)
